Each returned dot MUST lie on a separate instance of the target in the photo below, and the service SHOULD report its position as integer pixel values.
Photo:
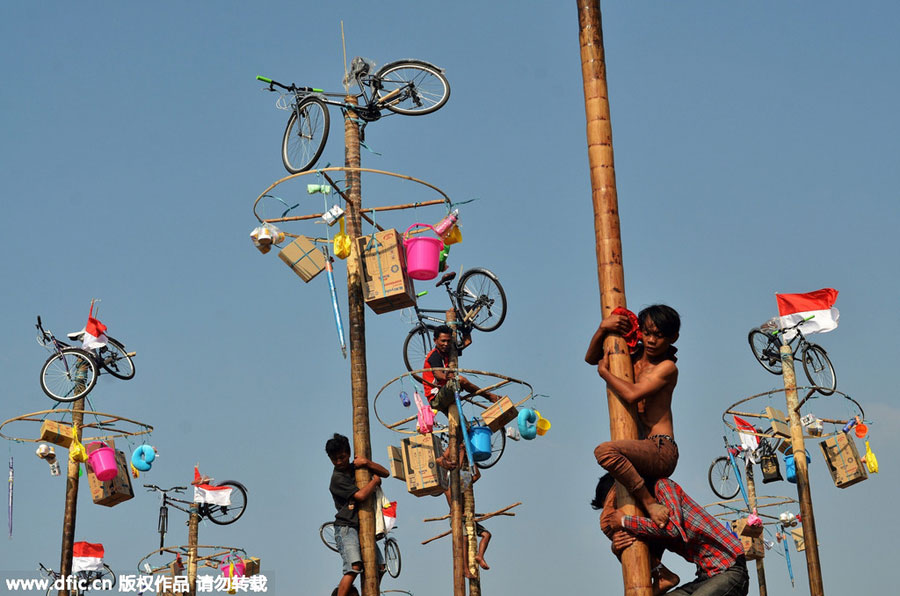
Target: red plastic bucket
(103, 462)
(422, 254)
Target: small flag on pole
(793, 308)
(87, 557)
(94, 332)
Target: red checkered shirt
(696, 535)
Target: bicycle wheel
(69, 375)
(412, 88)
(482, 298)
(305, 137)
(416, 347)
(115, 360)
(227, 514)
(498, 444)
(326, 533)
(819, 370)
(104, 574)
(766, 350)
(722, 480)
(392, 557)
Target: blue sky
(755, 153)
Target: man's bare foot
(659, 514)
(667, 580)
(480, 560)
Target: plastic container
(543, 425)
(238, 568)
(445, 225)
(103, 462)
(481, 442)
(422, 254)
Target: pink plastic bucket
(422, 254)
(238, 568)
(103, 462)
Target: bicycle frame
(737, 471)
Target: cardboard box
(499, 414)
(57, 433)
(843, 460)
(396, 462)
(385, 283)
(754, 548)
(423, 476)
(251, 566)
(112, 492)
(779, 422)
(303, 257)
(744, 529)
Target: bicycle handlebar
(177, 489)
(291, 88)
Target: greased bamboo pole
(610, 271)
(359, 383)
(472, 537)
(804, 495)
(193, 530)
(71, 506)
(456, 496)
(751, 498)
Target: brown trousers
(630, 461)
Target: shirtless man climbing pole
(656, 375)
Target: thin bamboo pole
(456, 497)
(358, 373)
(469, 511)
(193, 529)
(751, 498)
(804, 495)
(71, 506)
(610, 271)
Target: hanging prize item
(422, 254)
(454, 236)
(527, 423)
(404, 399)
(425, 417)
(143, 457)
(103, 461)
(46, 453)
(77, 452)
(861, 429)
(342, 243)
(542, 425)
(790, 467)
(442, 259)
(265, 236)
(443, 227)
(870, 460)
(332, 216)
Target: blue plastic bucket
(480, 442)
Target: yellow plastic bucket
(543, 425)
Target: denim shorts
(347, 540)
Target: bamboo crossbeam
(478, 518)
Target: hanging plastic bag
(425, 417)
(265, 236)
(342, 243)
(77, 452)
(871, 462)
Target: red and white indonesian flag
(390, 516)
(212, 495)
(94, 332)
(87, 557)
(793, 308)
(746, 432)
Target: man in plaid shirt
(692, 533)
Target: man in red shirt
(692, 533)
(439, 392)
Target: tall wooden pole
(610, 272)
(456, 493)
(472, 537)
(357, 328)
(193, 529)
(803, 493)
(751, 497)
(68, 534)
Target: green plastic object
(263, 79)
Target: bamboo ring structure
(762, 502)
(444, 200)
(105, 423)
(733, 411)
(212, 560)
(504, 380)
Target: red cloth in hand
(634, 334)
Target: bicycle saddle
(447, 278)
(76, 335)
